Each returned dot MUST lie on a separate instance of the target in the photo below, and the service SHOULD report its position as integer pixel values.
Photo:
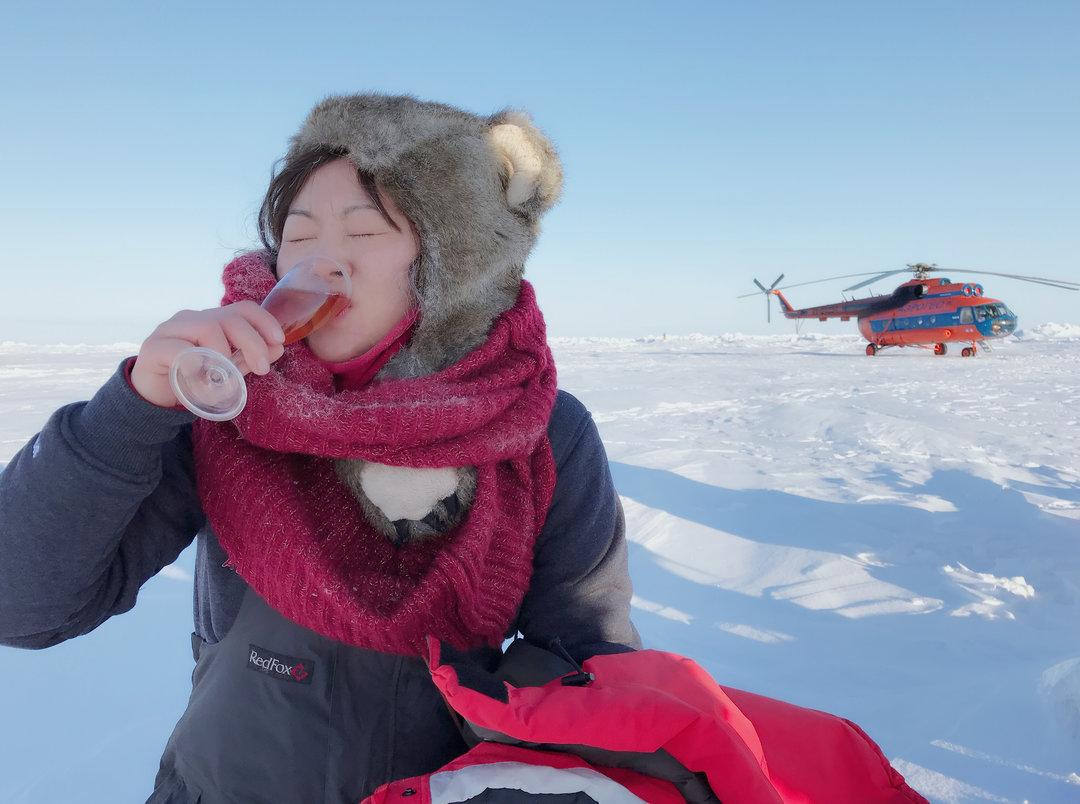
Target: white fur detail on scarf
(406, 492)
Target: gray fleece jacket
(104, 496)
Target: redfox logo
(287, 668)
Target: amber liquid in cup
(301, 312)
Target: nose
(335, 252)
(341, 257)
(333, 272)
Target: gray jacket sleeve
(580, 589)
(91, 507)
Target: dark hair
(285, 185)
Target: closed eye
(301, 239)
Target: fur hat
(475, 187)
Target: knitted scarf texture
(294, 532)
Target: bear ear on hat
(528, 164)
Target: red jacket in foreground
(641, 726)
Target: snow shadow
(775, 578)
(992, 529)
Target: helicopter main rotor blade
(815, 281)
(1064, 284)
(834, 278)
(874, 279)
(1070, 286)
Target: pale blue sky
(703, 143)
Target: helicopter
(925, 312)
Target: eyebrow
(344, 212)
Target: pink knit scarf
(356, 372)
(296, 534)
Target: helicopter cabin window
(966, 316)
(980, 313)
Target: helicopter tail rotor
(768, 295)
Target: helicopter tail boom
(785, 305)
(853, 308)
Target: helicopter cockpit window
(980, 313)
(966, 316)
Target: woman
(408, 470)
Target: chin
(332, 352)
(336, 349)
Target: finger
(245, 337)
(197, 328)
(208, 332)
(262, 320)
(160, 351)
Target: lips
(344, 310)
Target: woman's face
(333, 215)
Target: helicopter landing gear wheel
(968, 351)
(940, 348)
(871, 349)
